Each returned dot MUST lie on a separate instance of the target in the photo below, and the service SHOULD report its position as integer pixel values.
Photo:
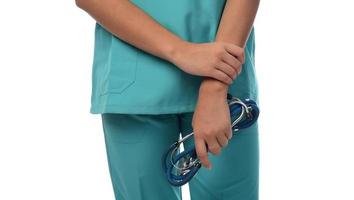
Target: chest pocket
(121, 67)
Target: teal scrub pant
(136, 142)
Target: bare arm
(126, 21)
(132, 25)
(235, 27)
(211, 120)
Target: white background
(51, 147)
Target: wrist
(211, 86)
(173, 53)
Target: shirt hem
(123, 109)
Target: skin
(211, 119)
(219, 61)
(125, 20)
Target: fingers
(202, 152)
(229, 133)
(230, 71)
(213, 145)
(236, 51)
(222, 140)
(232, 62)
(221, 76)
(229, 63)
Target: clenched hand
(211, 122)
(218, 60)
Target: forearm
(237, 21)
(132, 25)
(235, 26)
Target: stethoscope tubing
(243, 114)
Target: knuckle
(243, 55)
(226, 79)
(239, 68)
(242, 51)
(237, 63)
(234, 73)
(213, 148)
(197, 134)
(203, 157)
(215, 151)
(219, 62)
(227, 128)
(215, 60)
(220, 52)
(229, 134)
(207, 134)
(202, 154)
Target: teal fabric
(126, 79)
(135, 144)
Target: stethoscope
(181, 167)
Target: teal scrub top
(125, 79)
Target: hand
(218, 60)
(211, 122)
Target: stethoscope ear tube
(181, 167)
(252, 113)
